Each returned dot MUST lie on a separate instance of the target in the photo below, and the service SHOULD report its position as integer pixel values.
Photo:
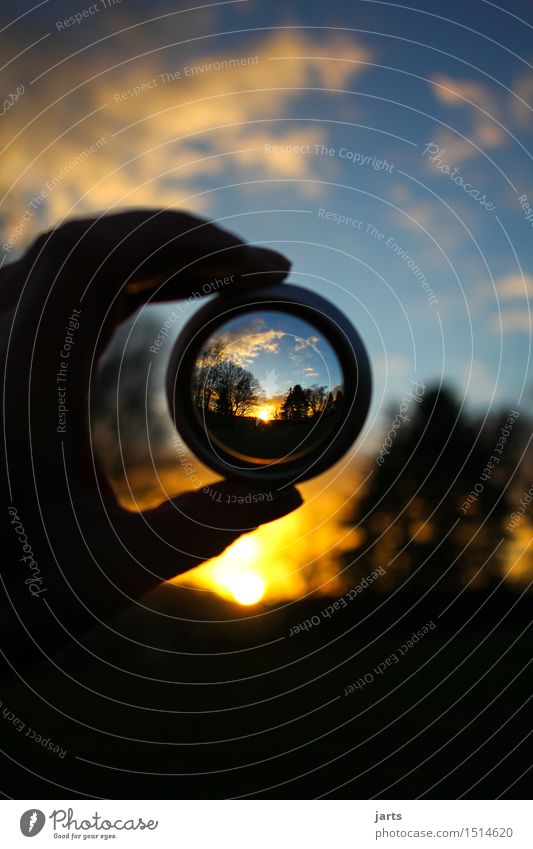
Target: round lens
(269, 384)
(267, 388)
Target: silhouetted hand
(75, 556)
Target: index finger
(159, 254)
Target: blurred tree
(338, 402)
(433, 512)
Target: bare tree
(223, 387)
(317, 399)
(206, 374)
(237, 390)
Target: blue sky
(404, 107)
(281, 350)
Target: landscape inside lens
(268, 387)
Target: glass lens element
(268, 388)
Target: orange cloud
(486, 117)
(244, 347)
(515, 287)
(167, 124)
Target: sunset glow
(248, 588)
(288, 557)
(236, 573)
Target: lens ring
(303, 304)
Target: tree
(328, 406)
(206, 375)
(317, 399)
(339, 401)
(223, 387)
(296, 405)
(413, 518)
(237, 390)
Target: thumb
(186, 531)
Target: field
(271, 440)
(241, 708)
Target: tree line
(300, 403)
(223, 388)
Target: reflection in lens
(268, 387)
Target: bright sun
(235, 572)
(264, 414)
(247, 587)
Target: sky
(280, 350)
(384, 148)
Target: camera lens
(269, 385)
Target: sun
(247, 588)
(264, 414)
(236, 574)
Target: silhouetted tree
(206, 374)
(236, 389)
(296, 405)
(338, 401)
(413, 515)
(328, 404)
(221, 386)
(317, 398)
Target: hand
(75, 555)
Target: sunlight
(265, 414)
(245, 549)
(247, 588)
(288, 557)
(232, 574)
(519, 555)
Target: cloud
(515, 287)
(522, 111)
(416, 215)
(484, 113)
(333, 59)
(457, 149)
(305, 344)
(172, 129)
(243, 348)
(512, 289)
(452, 92)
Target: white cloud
(305, 344)
(244, 347)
